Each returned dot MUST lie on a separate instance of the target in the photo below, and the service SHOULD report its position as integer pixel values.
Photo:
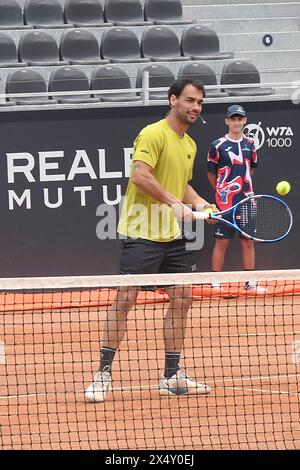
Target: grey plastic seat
(243, 72)
(27, 81)
(80, 47)
(8, 52)
(203, 73)
(83, 14)
(124, 12)
(161, 44)
(71, 79)
(44, 14)
(160, 75)
(39, 48)
(11, 15)
(202, 43)
(112, 77)
(4, 101)
(121, 45)
(164, 12)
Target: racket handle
(201, 215)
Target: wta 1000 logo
(274, 137)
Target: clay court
(242, 346)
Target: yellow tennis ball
(208, 210)
(283, 187)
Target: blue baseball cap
(235, 109)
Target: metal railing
(291, 90)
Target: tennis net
(242, 341)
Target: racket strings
(263, 218)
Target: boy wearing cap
(230, 165)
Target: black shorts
(224, 231)
(140, 256)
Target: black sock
(172, 364)
(106, 357)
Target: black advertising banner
(63, 174)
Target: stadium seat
(202, 43)
(8, 52)
(112, 77)
(4, 100)
(44, 14)
(121, 45)
(84, 14)
(38, 48)
(71, 79)
(11, 15)
(243, 72)
(80, 46)
(124, 12)
(203, 73)
(161, 44)
(27, 81)
(164, 12)
(160, 75)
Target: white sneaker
(99, 387)
(181, 384)
(254, 287)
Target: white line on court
(261, 390)
(223, 383)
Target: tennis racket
(261, 218)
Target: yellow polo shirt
(172, 159)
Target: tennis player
(157, 196)
(231, 162)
